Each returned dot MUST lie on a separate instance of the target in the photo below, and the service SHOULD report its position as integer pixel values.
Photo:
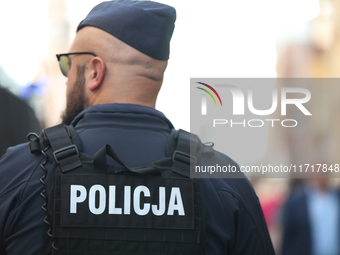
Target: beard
(76, 101)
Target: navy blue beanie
(144, 25)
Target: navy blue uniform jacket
(139, 135)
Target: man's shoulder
(232, 205)
(223, 172)
(226, 179)
(16, 167)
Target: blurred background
(216, 38)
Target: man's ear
(97, 73)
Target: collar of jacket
(122, 114)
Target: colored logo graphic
(212, 89)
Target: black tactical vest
(96, 209)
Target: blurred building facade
(59, 41)
(313, 53)
(315, 57)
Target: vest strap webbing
(185, 155)
(65, 152)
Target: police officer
(115, 70)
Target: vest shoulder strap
(60, 143)
(187, 151)
(183, 148)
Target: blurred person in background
(17, 119)
(311, 218)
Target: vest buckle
(65, 152)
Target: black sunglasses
(65, 63)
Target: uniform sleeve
(21, 216)
(233, 226)
(249, 228)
